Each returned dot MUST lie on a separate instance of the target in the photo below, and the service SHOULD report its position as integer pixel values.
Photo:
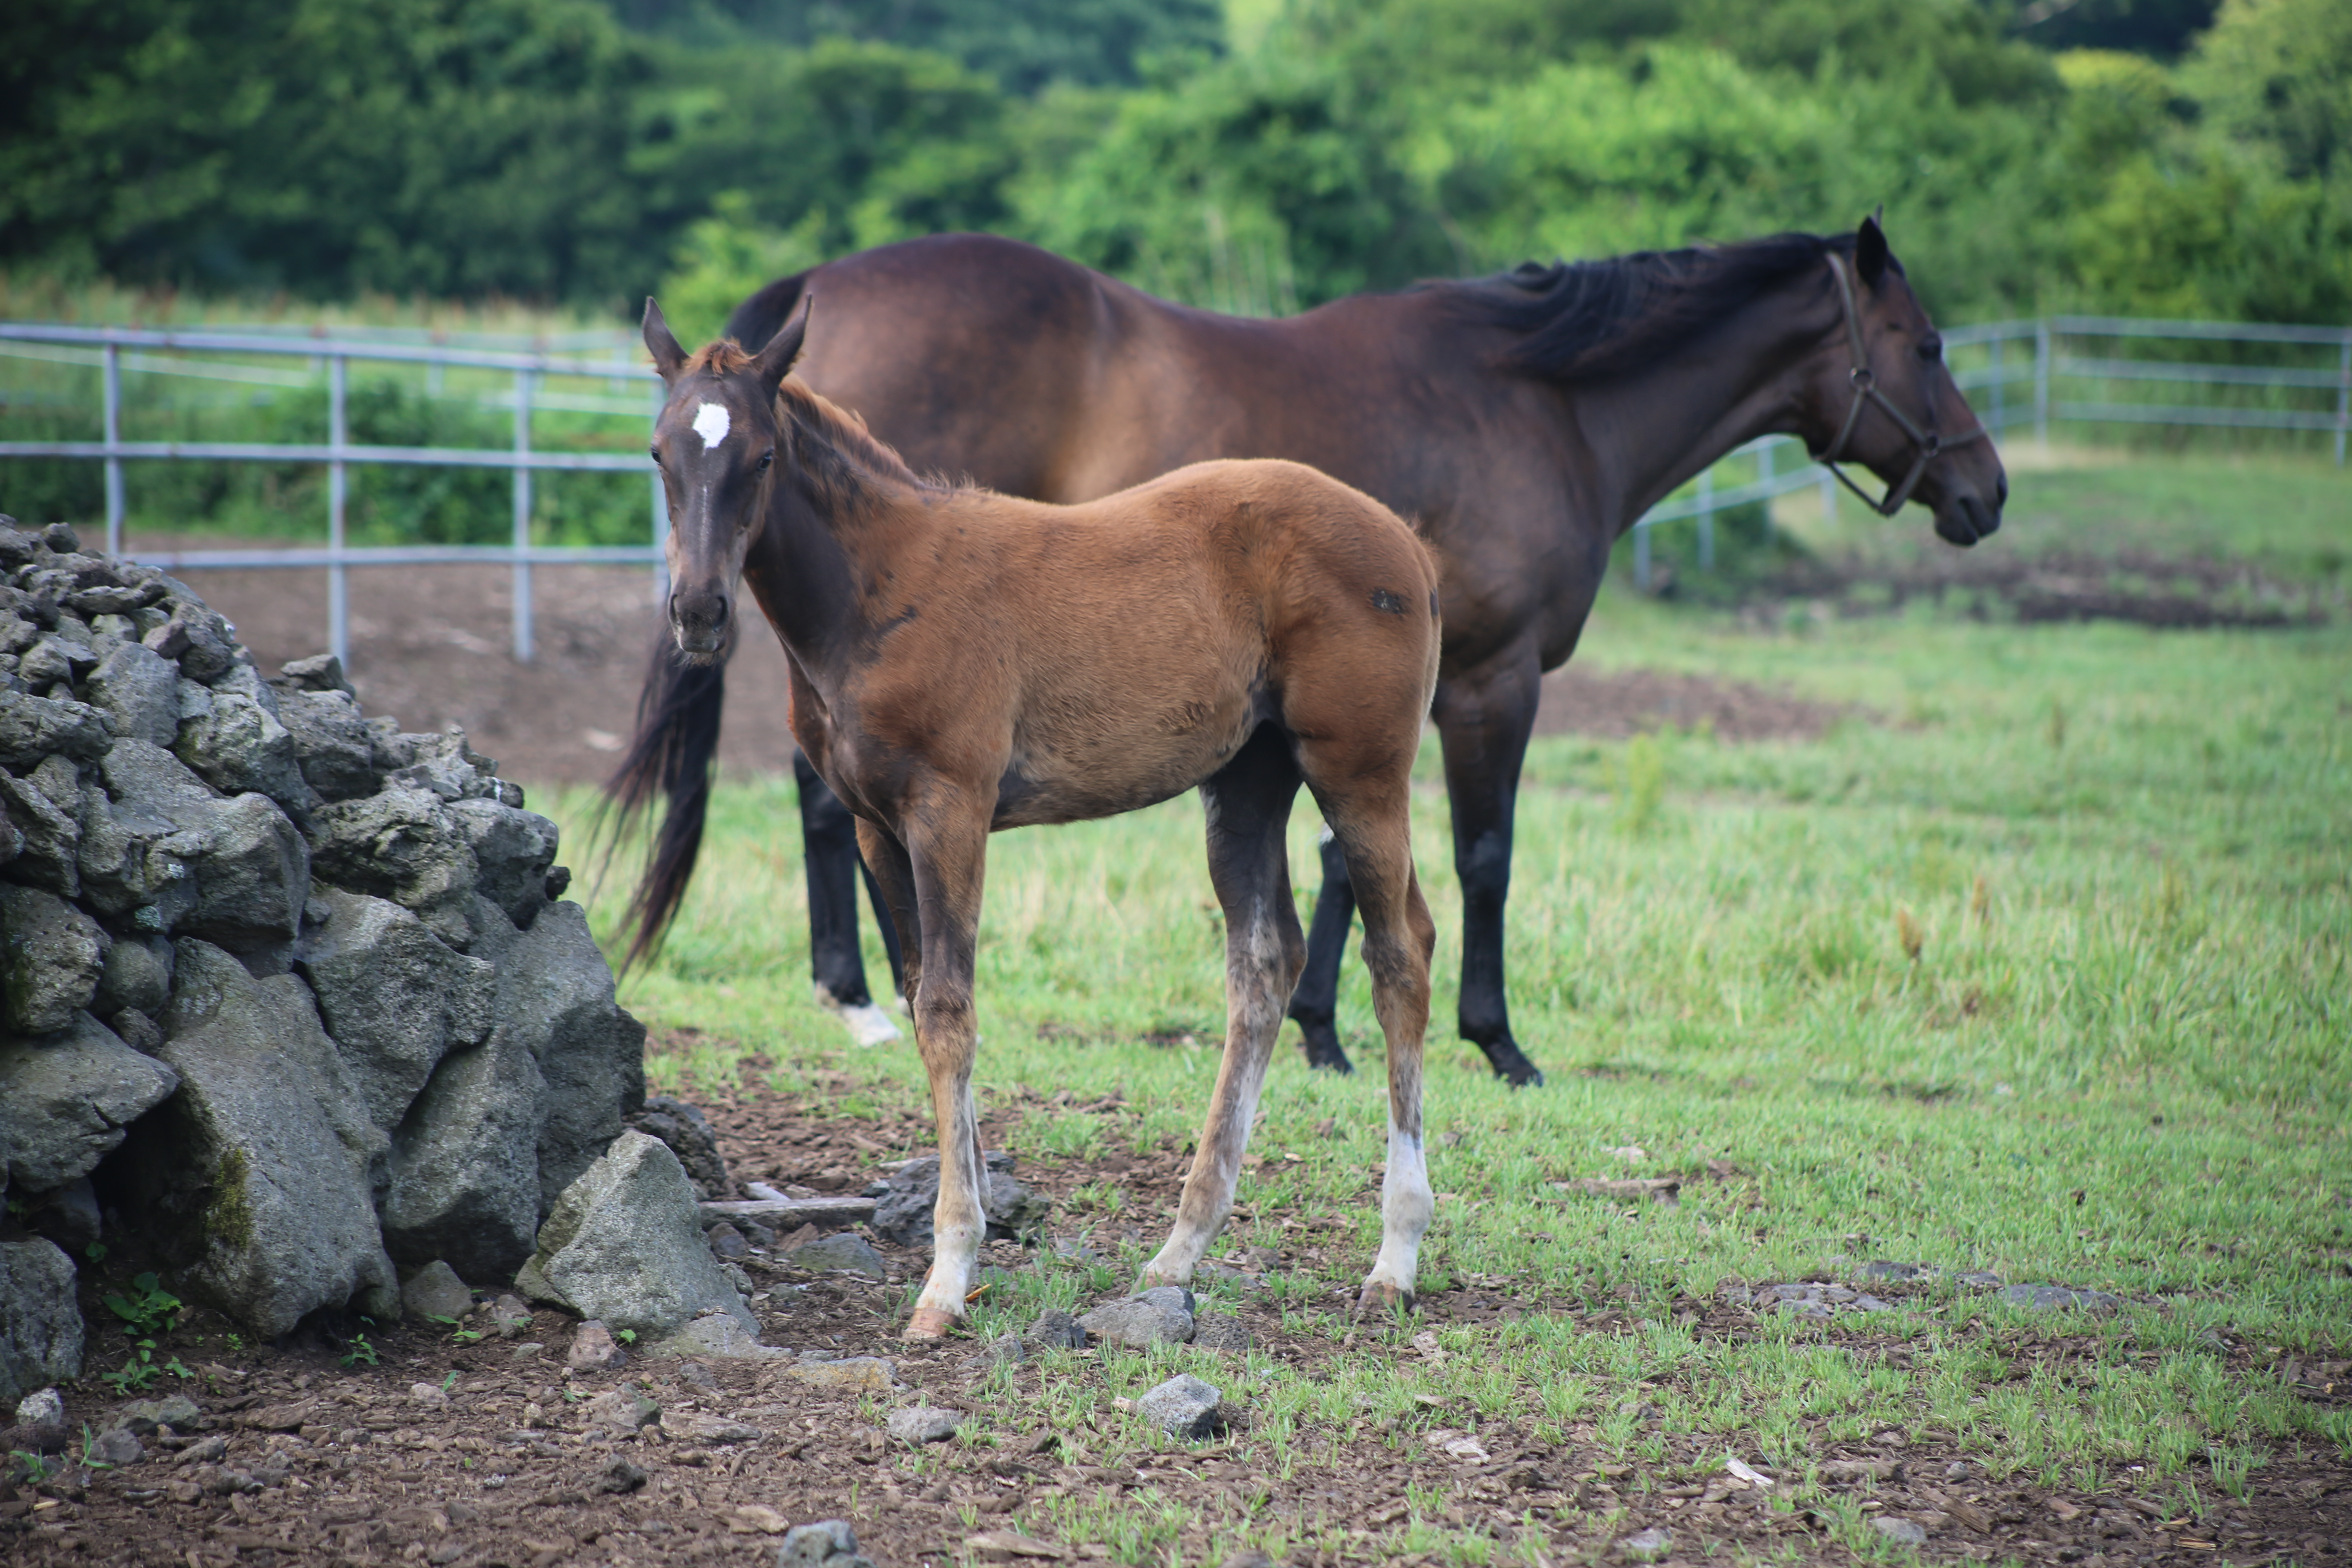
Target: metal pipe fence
(340, 452)
(2289, 397)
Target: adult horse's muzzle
(1965, 512)
(698, 620)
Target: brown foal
(964, 661)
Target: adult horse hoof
(1325, 1054)
(928, 1323)
(1381, 1299)
(1511, 1065)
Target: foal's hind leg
(1368, 818)
(1248, 806)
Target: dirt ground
(352, 1444)
(433, 646)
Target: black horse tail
(756, 319)
(673, 753)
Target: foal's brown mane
(1588, 320)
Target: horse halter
(1928, 444)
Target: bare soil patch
(432, 645)
(1616, 704)
(1993, 584)
(321, 1456)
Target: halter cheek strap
(1927, 444)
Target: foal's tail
(673, 753)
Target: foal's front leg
(946, 856)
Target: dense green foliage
(1263, 159)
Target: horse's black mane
(1589, 320)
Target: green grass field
(2037, 964)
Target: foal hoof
(928, 1323)
(1381, 1299)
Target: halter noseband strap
(1930, 445)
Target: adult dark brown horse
(964, 661)
(1521, 423)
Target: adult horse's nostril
(2001, 491)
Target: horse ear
(1870, 251)
(775, 361)
(661, 342)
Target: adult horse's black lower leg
(829, 855)
(1484, 724)
(1316, 1003)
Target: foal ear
(775, 362)
(661, 342)
(1870, 251)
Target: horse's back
(975, 357)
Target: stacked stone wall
(288, 997)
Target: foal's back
(1117, 653)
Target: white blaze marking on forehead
(712, 423)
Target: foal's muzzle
(697, 618)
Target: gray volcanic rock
(902, 1213)
(623, 1243)
(253, 875)
(260, 1173)
(230, 736)
(48, 831)
(330, 741)
(66, 1099)
(139, 691)
(555, 994)
(32, 728)
(138, 975)
(394, 996)
(401, 845)
(513, 851)
(351, 1045)
(435, 1292)
(40, 1326)
(1184, 1407)
(51, 955)
(465, 1163)
(687, 1132)
(1160, 1316)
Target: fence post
(1706, 520)
(522, 639)
(2041, 382)
(2342, 395)
(113, 439)
(2000, 391)
(1641, 556)
(338, 574)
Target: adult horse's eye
(655, 453)
(1931, 349)
(767, 458)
